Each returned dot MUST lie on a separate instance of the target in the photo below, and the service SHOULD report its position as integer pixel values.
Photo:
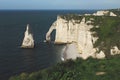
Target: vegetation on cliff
(69, 17)
(90, 69)
(106, 28)
(108, 33)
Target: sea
(15, 60)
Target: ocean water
(13, 59)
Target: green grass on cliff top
(108, 33)
(90, 69)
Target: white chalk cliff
(28, 41)
(115, 50)
(76, 33)
(72, 32)
(102, 13)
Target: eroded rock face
(85, 38)
(28, 41)
(115, 50)
(78, 34)
(102, 13)
(66, 31)
(112, 14)
(78, 37)
(100, 55)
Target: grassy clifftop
(108, 32)
(90, 69)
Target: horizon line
(61, 9)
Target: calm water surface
(13, 59)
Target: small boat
(28, 41)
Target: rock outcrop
(104, 13)
(115, 50)
(28, 41)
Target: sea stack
(28, 41)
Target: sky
(59, 4)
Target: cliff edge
(95, 35)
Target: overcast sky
(59, 4)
